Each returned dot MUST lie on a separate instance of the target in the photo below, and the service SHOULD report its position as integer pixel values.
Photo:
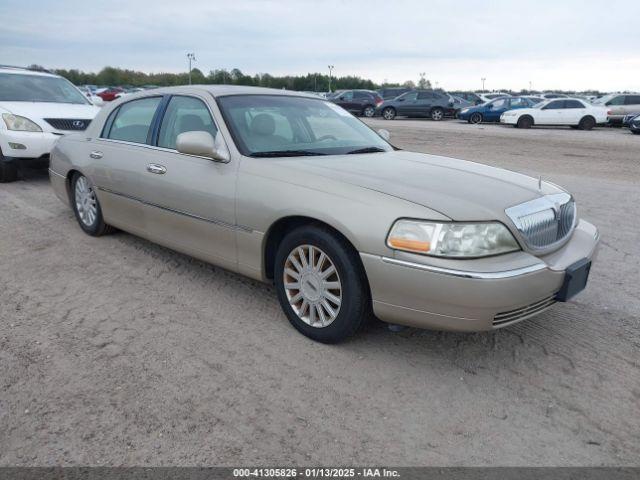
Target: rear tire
(389, 113)
(437, 114)
(475, 118)
(8, 170)
(587, 123)
(525, 122)
(309, 296)
(87, 207)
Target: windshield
(278, 125)
(15, 87)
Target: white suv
(36, 108)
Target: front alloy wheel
(369, 111)
(313, 286)
(475, 118)
(321, 283)
(389, 113)
(437, 114)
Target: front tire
(475, 118)
(437, 114)
(87, 207)
(587, 123)
(369, 111)
(525, 122)
(8, 170)
(389, 113)
(321, 284)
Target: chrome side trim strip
(466, 274)
(51, 172)
(179, 212)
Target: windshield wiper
(367, 150)
(286, 153)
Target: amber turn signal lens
(406, 244)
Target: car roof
(25, 71)
(223, 90)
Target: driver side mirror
(384, 134)
(203, 144)
(341, 98)
(490, 106)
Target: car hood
(39, 110)
(458, 189)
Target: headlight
(16, 122)
(464, 110)
(451, 239)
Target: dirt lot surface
(116, 351)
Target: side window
(359, 95)
(502, 103)
(573, 104)
(632, 100)
(555, 105)
(347, 96)
(411, 96)
(133, 120)
(518, 102)
(619, 100)
(425, 96)
(184, 114)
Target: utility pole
(483, 79)
(331, 67)
(530, 86)
(192, 57)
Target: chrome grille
(520, 313)
(544, 221)
(74, 124)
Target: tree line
(111, 76)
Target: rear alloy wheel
(524, 122)
(369, 111)
(321, 284)
(587, 123)
(86, 207)
(389, 113)
(437, 114)
(475, 118)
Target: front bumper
(37, 144)
(475, 296)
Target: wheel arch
(277, 231)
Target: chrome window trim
(153, 147)
(465, 273)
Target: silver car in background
(291, 189)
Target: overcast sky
(564, 44)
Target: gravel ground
(114, 351)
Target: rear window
(132, 121)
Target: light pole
(331, 67)
(192, 58)
(483, 79)
(530, 86)
(421, 82)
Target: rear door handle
(96, 154)
(155, 168)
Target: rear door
(617, 105)
(119, 157)
(573, 112)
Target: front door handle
(96, 154)
(155, 168)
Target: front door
(189, 201)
